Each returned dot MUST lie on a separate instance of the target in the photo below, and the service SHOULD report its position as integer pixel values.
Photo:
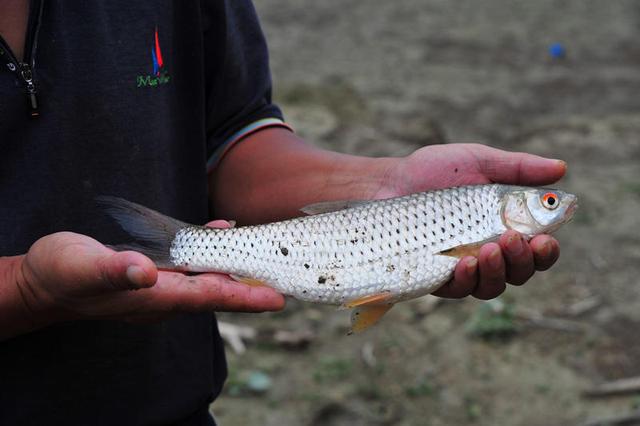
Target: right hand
(512, 259)
(68, 276)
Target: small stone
(258, 382)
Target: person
(133, 99)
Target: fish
(364, 255)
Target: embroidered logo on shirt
(160, 76)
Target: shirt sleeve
(238, 79)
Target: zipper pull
(32, 99)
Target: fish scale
(380, 246)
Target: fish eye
(550, 200)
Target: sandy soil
(385, 78)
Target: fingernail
(514, 245)
(561, 163)
(136, 275)
(545, 251)
(471, 266)
(232, 223)
(495, 260)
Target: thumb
(66, 265)
(127, 270)
(517, 167)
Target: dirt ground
(386, 77)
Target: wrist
(377, 178)
(358, 178)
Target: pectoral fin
(472, 249)
(248, 281)
(462, 251)
(364, 317)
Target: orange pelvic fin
(364, 317)
(371, 300)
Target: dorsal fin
(332, 206)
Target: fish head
(532, 211)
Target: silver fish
(366, 255)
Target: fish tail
(153, 232)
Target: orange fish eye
(550, 200)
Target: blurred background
(559, 78)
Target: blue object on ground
(556, 50)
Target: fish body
(369, 253)
(336, 257)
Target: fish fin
(461, 251)
(332, 206)
(371, 300)
(248, 281)
(153, 231)
(364, 317)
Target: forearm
(15, 316)
(271, 174)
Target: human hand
(67, 276)
(512, 259)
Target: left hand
(512, 259)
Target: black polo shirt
(133, 98)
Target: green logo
(153, 80)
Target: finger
(517, 167)
(210, 292)
(546, 251)
(464, 282)
(177, 293)
(221, 224)
(491, 282)
(518, 257)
